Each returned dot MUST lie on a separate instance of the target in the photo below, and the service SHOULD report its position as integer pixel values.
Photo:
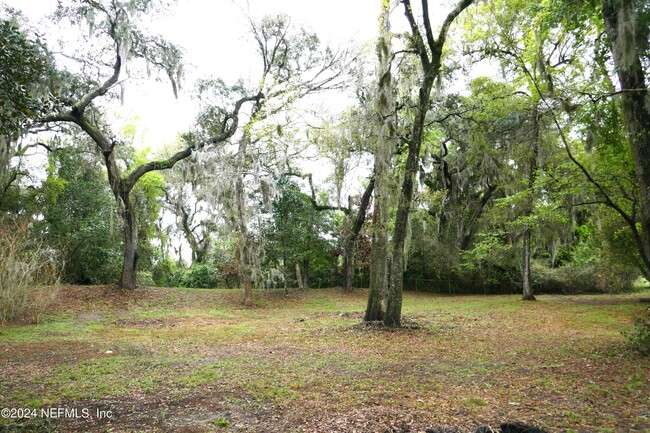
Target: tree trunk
(299, 276)
(394, 293)
(244, 241)
(468, 231)
(527, 287)
(525, 269)
(430, 70)
(248, 289)
(351, 238)
(347, 265)
(199, 250)
(122, 190)
(621, 20)
(386, 144)
(128, 279)
(305, 274)
(378, 257)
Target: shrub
(586, 278)
(229, 274)
(639, 337)
(39, 301)
(145, 278)
(199, 276)
(29, 273)
(164, 272)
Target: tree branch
(415, 32)
(81, 105)
(230, 131)
(461, 6)
(363, 206)
(145, 168)
(312, 197)
(427, 25)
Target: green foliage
(197, 276)
(492, 258)
(297, 233)
(221, 422)
(163, 273)
(145, 278)
(80, 218)
(25, 67)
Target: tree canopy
(501, 148)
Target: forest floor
(179, 360)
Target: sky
(214, 35)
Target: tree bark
(305, 274)
(347, 265)
(430, 62)
(351, 238)
(621, 19)
(128, 280)
(393, 314)
(386, 144)
(244, 247)
(299, 276)
(525, 269)
(470, 225)
(527, 287)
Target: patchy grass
(196, 360)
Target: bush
(29, 273)
(144, 278)
(229, 276)
(39, 301)
(164, 272)
(639, 337)
(587, 278)
(198, 276)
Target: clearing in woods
(195, 360)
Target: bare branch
(234, 116)
(415, 32)
(143, 169)
(427, 25)
(461, 6)
(81, 105)
(314, 202)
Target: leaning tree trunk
(530, 204)
(621, 20)
(386, 145)
(430, 54)
(393, 316)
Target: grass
(175, 359)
